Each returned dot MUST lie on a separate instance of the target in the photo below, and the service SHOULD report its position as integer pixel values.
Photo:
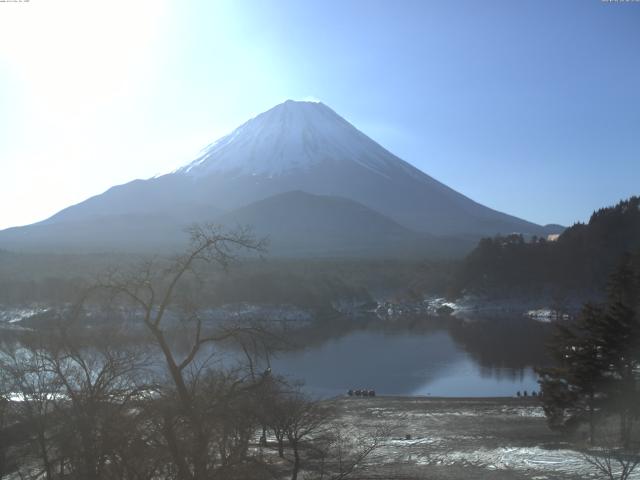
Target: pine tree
(598, 359)
(620, 336)
(573, 391)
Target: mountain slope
(298, 223)
(133, 232)
(295, 146)
(307, 146)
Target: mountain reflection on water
(483, 358)
(412, 355)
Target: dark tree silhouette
(598, 359)
(153, 290)
(580, 259)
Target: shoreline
(512, 399)
(447, 438)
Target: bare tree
(343, 452)
(303, 419)
(73, 403)
(155, 289)
(25, 375)
(613, 463)
(99, 387)
(274, 411)
(94, 409)
(4, 444)
(319, 445)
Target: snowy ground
(479, 438)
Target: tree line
(79, 403)
(580, 259)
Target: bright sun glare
(75, 69)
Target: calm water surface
(399, 364)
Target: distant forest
(579, 260)
(576, 264)
(316, 284)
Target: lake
(400, 363)
(437, 357)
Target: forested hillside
(580, 259)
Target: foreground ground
(464, 438)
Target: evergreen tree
(598, 359)
(573, 391)
(580, 259)
(619, 332)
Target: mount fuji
(299, 173)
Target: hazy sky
(529, 107)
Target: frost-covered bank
(479, 438)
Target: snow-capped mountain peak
(291, 135)
(248, 177)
